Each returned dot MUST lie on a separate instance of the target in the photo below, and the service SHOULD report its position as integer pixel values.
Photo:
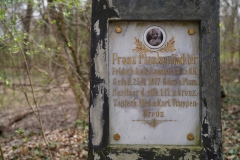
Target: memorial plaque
(154, 82)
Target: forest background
(44, 78)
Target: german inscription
(154, 83)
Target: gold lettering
(184, 104)
(166, 103)
(125, 92)
(142, 92)
(174, 93)
(124, 81)
(115, 102)
(152, 60)
(157, 71)
(192, 59)
(179, 60)
(165, 92)
(179, 82)
(144, 59)
(154, 81)
(122, 71)
(147, 114)
(167, 81)
(177, 71)
(184, 81)
(114, 81)
(152, 92)
(143, 71)
(187, 81)
(187, 93)
(125, 103)
(155, 103)
(142, 56)
(123, 60)
(163, 60)
(190, 71)
(139, 81)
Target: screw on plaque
(190, 137)
(191, 31)
(118, 29)
(116, 136)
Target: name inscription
(156, 85)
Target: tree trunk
(27, 26)
(68, 54)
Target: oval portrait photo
(154, 37)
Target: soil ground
(54, 116)
(21, 138)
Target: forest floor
(67, 137)
(21, 136)
(231, 123)
(231, 132)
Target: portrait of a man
(154, 37)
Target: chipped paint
(163, 151)
(191, 156)
(156, 152)
(96, 157)
(133, 156)
(96, 117)
(205, 135)
(110, 4)
(96, 28)
(99, 60)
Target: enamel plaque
(153, 83)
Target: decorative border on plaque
(141, 48)
(154, 123)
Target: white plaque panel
(154, 83)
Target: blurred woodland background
(44, 78)
(230, 77)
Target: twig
(1, 152)
(36, 112)
(35, 102)
(236, 112)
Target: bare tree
(69, 32)
(230, 30)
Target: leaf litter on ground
(67, 144)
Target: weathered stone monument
(155, 80)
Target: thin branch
(32, 91)
(1, 152)
(45, 52)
